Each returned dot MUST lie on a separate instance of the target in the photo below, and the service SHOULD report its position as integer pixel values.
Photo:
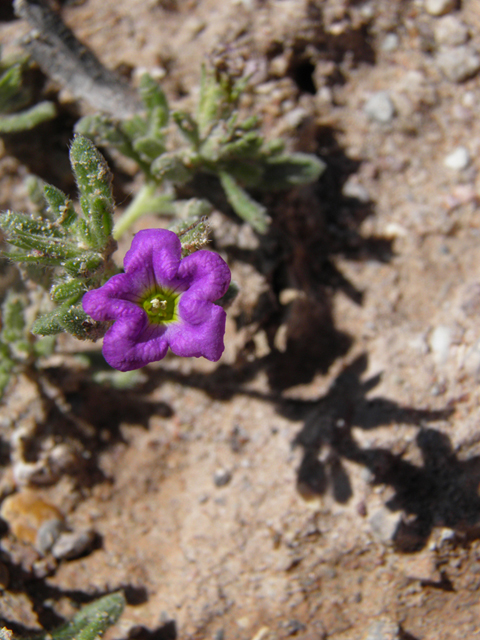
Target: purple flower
(161, 301)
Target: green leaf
(60, 206)
(10, 87)
(248, 146)
(245, 206)
(46, 249)
(92, 621)
(69, 291)
(66, 317)
(148, 148)
(188, 127)
(83, 266)
(94, 182)
(48, 324)
(193, 234)
(135, 127)
(169, 166)
(104, 131)
(155, 102)
(294, 169)
(212, 101)
(13, 318)
(28, 119)
(14, 223)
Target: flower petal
(115, 299)
(206, 275)
(153, 259)
(132, 343)
(201, 339)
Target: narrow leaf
(70, 291)
(28, 119)
(94, 182)
(170, 167)
(188, 127)
(245, 206)
(155, 102)
(285, 171)
(60, 206)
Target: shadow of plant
(443, 491)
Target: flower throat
(161, 306)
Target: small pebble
(384, 524)
(458, 160)
(295, 117)
(72, 545)
(47, 534)
(450, 32)
(353, 189)
(458, 63)
(440, 7)
(390, 42)
(440, 340)
(26, 513)
(383, 629)
(379, 107)
(221, 477)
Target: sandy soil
(322, 480)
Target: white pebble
(458, 63)
(439, 7)
(458, 160)
(353, 189)
(379, 107)
(450, 32)
(440, 340)
(390, 42)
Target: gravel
(458, 160)
(458, 63)
(380, 108)
(450, 32)
(439, 7)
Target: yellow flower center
(161, 306)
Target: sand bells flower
(161, 301)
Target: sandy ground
(320, 481)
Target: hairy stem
(144, 202)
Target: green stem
(144, 202)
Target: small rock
(384, 524)
(279, 66)
(440, 7)
(295, 117)
(458, 160)
(383, 629)
(353, 189)
(458, 63)
(221, 477)
(390, 42)
(471, 360)
(26, 513)
(439, 341)
(380, 108)
(72, 545)
(450, 32)
(420, 566)
(47, 534)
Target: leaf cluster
(90, 623)
(16, 95)
(217, 142)
(77, 248)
